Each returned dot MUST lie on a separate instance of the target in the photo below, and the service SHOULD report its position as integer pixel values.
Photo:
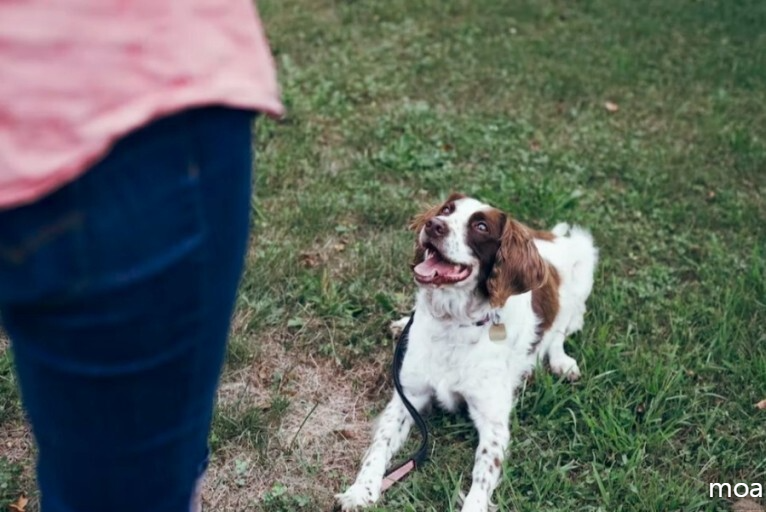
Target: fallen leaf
(345, 434)
(310, 259)
(19, 505)
(611, 106)
(761, 405)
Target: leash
(418, 458)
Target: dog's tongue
(434, 267)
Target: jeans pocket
(40, 249)
(127, 217)
(142, 206)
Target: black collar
(483, 321)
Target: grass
(11, 465)
(392, 105)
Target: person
(125, 195)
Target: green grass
(392, 105)
(10, 408)
(395, 104)
(10, 413)
(10, 486)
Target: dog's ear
(518, 266)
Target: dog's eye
(481, 226)
(448, 208)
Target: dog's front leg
(391, 431)
(491, 422)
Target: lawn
(645, 121)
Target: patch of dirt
(15, 438)
(746, 505)
(319, 443)
(322, 435)
(16, 444)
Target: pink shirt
(76, 75)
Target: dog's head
(466, 244)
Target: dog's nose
(436, 228)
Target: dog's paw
(576, 324)
(474, 502)
(357, 497)
(565, 366)
(398, 326)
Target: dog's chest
(451, 363)
(452, 350)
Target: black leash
(418, 458)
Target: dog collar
(483, 321)
(489, 317)
(497, 331)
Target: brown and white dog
(494, 298)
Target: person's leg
(117, 293)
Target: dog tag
(497, 332)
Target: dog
(494, 298)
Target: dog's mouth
(436, 269)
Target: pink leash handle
(396, 475)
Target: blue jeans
(117, 292)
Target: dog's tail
(561, 229)
(584, 254)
